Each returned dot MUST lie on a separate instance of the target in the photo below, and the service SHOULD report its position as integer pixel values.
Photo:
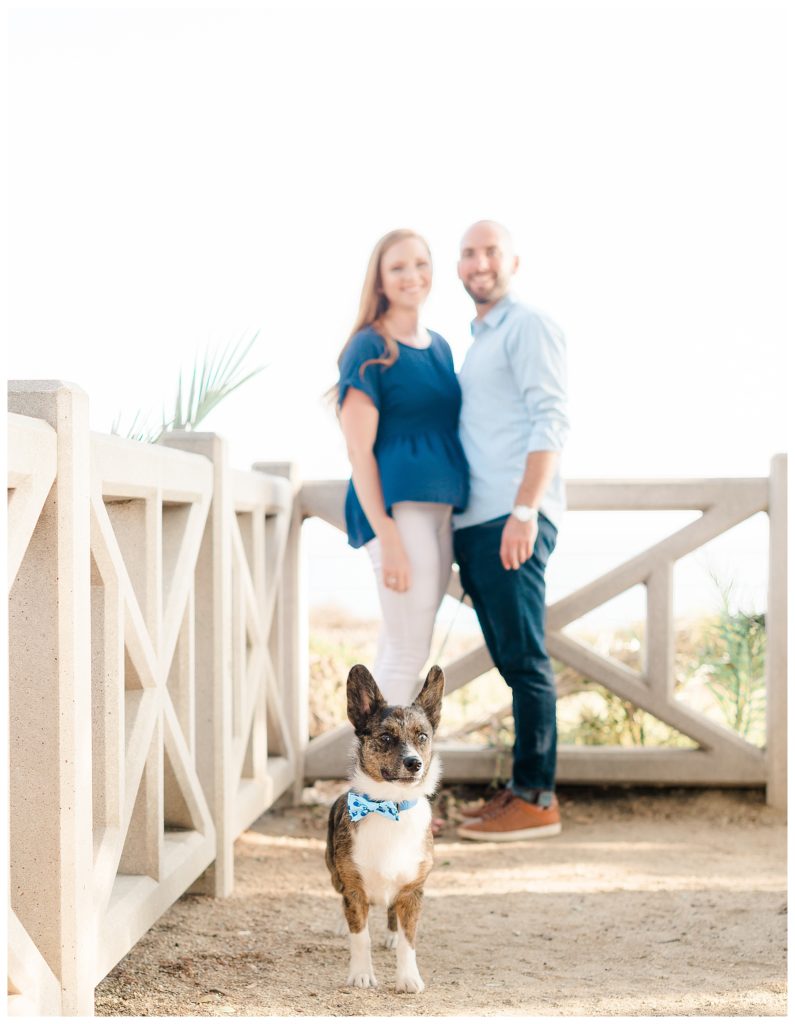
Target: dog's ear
(430, 696)
(363, 696)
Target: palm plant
(213, 377)
(734, 650)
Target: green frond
(177, 417)
(213, 377)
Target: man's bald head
(489, 230)
(487, 263)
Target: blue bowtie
(359, 806)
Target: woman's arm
(359, 421)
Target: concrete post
(776, 624)
(213, 661)
(51, 841)
(293, 620)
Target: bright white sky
(182, 175)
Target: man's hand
(518, 541)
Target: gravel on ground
(648, 903)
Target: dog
(379, 848)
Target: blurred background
(184, 176)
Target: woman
(399, 403)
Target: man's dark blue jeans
(510, 604)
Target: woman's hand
(395, 567)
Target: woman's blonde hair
(374, 305)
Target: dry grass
(591, 715)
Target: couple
(464, 468)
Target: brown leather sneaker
(485, 809)
(515, 819)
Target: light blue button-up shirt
(514, 401)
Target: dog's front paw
(362, 979)
(410, 982)
(391, 940)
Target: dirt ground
(648, 903)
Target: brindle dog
(380, 846)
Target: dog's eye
(386, 737)
(423, 737)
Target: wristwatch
(524, 513)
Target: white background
(181, 176)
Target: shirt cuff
(546, 438)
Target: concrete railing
(720, 757)
(156, 682)
(158, 673)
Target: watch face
(524, 513)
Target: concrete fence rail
(720, 757)
(158, 673)
(155, 711)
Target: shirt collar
(495, 315)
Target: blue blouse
(417, 449)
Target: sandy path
(646, 904)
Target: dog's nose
(412, 763)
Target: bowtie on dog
(359, 806)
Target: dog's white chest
(388, 853)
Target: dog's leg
(391, 940)
(408, 906)
(360, 972)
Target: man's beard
(478, 298)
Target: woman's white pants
(404, 642)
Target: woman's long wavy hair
(374, 305)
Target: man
(513, 426)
